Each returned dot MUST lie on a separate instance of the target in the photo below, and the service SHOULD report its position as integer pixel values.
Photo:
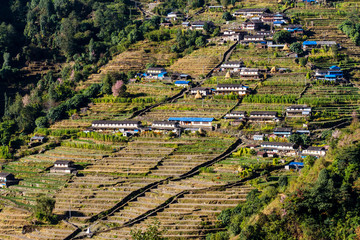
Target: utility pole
(70, 209)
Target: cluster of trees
(187, 41)
(352, 30)
(183, 5)
(269, 98)
(300, 139)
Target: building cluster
(333, 74)
(172, 124)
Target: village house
(282, 132)
(185, 24)
(122, 125)
(204, 91)
(334, 73)
(232, 66)
(253, 38)
(267, 34)
(166, 126)
(236, 115)
(294, 165)
(174, 16)
(166, 24)
(231, 37)
(263, 116)
(267, 17)
(36, 140)
(314, 151)
(251, 24)
(298, 111)
(250, 73)
(7, 179)
(278, 146)
(223, 89)
(192, 123)
(180, 76)
(181, 83)
(155, 73)
(63, 167)
(199, 25)
(317, 44)
(258, 137)
(248, 12)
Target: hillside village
(221, 104)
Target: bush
(283, 181)
(42, 122)
(44, 208)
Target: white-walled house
(239, 89)
(314, 151)
(108, 124)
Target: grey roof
(282, 129)
(165, 122)
(283, 144)
(116, 122)
(263, 113)
(315, 148)
(238, 112)
(200, 89)
(249, 69)
(298, 106)
(252, 10)
(63, 162)
(230, 85)
(233, 62)
(155, 69)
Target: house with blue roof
(294, 165)
(334, 73)
(182, 83)
(154, 73)
(309, 45)
(193, 123)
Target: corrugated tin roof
(191, 119)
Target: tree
(118, 88)
(42, 122)
(151, 233)
(200, 41)
(283, 181)
(282, 37)
(227, 16)
(303, 61)
(295, 138)
(66, 36)
(44, 209)
(296, 47)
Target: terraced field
(190, 216)
(199, 62)
(107, 108)
(190, 107)
(135, 59)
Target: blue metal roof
(182, 82)
(278, 22)
(330, 76)
(191, 119)
(307, 43)
(300, 164)
(334, 67)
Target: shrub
(42, 122)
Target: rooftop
(191, 119)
